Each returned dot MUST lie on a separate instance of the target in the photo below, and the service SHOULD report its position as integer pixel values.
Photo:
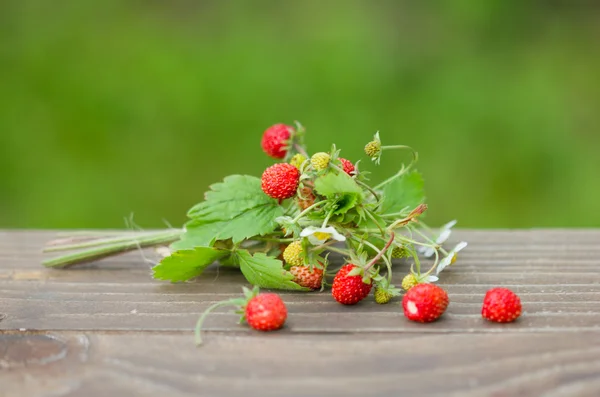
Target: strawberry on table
(349, 290)
(262, 311)
(307, 277)
(425, 303)
(265, 312)
(501, 305)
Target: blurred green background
(109, 107)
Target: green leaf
(265, 271)
(331, 184)
(402, 192)
(345, 203)
(186, 264)
(227, 199)
(236, 209)
(369, 223)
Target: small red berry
(501, 305)
(347, 166)
(306, 277)
(280, 181)
(266, 312)
(425, 303)
(275, 139)
(349, 290)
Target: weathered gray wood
(133, 364)
(107, 328)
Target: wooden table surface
(108, 329)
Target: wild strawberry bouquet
(279, 230)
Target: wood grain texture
(98, 364)
(107, 328)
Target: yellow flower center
(322, 235)
(453, 259)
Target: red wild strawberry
(275, 139)
(425, 303)
(280, 181)
(501, 305)
(306, 277)
(349, 290)
(263, 312)
(347, 166)
(266, 312)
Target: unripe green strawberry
(280, 181)
(400, 252)
(382, 296)
(409, 281)
(373, 149)
(297, 160)
(293, 254)
(384, 291)
(320, 161)
(307, 277)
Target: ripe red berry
(425, 303)
(280, 181)
(266, 312)
(347, 165)
(274, 140)
(349, 290)
(305, 277)
(501, 305)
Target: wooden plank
(557, 283)
(103, 364)
(109, 329)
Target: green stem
(437, 258)
(369, 188)
(92, 233)
(323, 246)
(402, 213)
(94, 242)
(272, 239)
(388, 264)
(385, 248)
(375, 221)
(307, 210)
(327, 219)
(433, 243)
(338, 250)
(203, 317)
(111, 249)
(403, 170)
(301, 150)
(413, 253)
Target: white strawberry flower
(319, 235)
(428, 279)
(451, 258)
(445, 232)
